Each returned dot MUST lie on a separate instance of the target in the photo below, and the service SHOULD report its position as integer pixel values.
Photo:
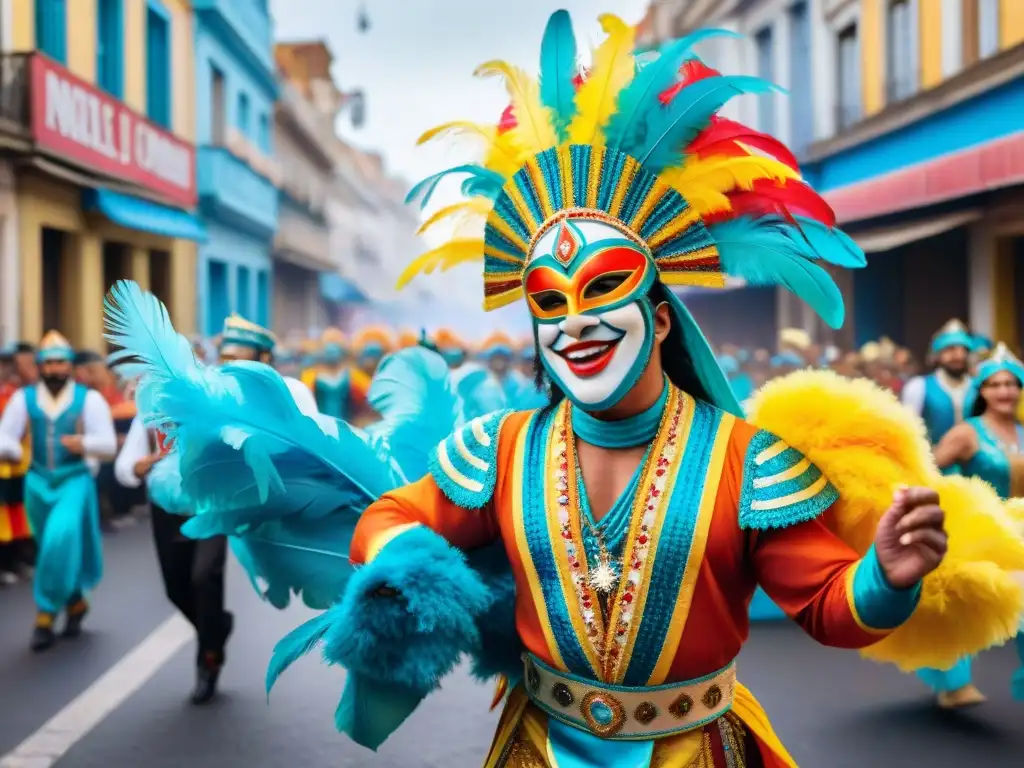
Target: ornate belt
(620, 712)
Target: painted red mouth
(588, 358)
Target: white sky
(415, 65)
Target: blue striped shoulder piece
(465, 464)
(781, 487)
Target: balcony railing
(232, 191)
(14, 91)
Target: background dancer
(69, 424)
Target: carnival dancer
(498, 353)
(15, 534)
(332, 383)
(70, 425)
(938, 398)
(988, 444)
(369, 347)
(637, 500)
(193, 571)
(451, 347)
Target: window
(264, 137)
(765, 69)
(801, 114)
(901, 35)
(244, 304)
(988, 28)
(110, 46)
(158, 64)
(242, 118)
(848, 71)
(52, 29)
(263, 299)
(216, 106)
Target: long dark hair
(675, 358)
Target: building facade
(305, 142)
(238, 179)
(97, 111)
(921, 154)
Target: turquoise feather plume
(479, 392)
(771, 252)
(629, 125)
(831, 244)
(558, 68)
(164, 486)
(412, 391)
(425, 189)
(665, 132)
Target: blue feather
(296, 644)
(628, 125)
(412, 392)
(371, 710)
(771, 252)
(481, 187)
(558, 68)
(164, 486)
(479, 392)
(831, 244)
(666, 131)
(425, 189)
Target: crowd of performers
(588, 531)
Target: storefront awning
(136, 213)
(884, 239)
(337, 289)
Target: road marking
(47, 745)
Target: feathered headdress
(445, 338)
(638, 144)
(498, 343)
(373, 339)
(408, 338)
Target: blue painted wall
(988, 116)
(238, 206)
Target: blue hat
(54, 347)
(982, 343)
(1002, 360)
(952, 334)
(241, 333)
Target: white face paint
(596, 359)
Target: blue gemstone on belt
(601, 712)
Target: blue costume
(60, 492)
(333, 389)
(992, 463)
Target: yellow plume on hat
(333, 336)
(373, 334)
(794, 337)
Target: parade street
(118, 695)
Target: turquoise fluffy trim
(763, 495)
(465, 464)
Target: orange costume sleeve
(456, 499)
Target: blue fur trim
(755, 493)
(500, 651)
(483, 479)
(417, 637)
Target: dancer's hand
(73, 443)
(910, 541)
(143, 466)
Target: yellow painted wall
(872, 51)
(1011, 22)
(81, 58)
(930, 35)
(1003, 299)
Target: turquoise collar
(627, 433)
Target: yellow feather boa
(868, 445)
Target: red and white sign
(993, 165)
(80, 123)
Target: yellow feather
(501, 155)
(486, 132)
(724, 174)
(612, 71)
(533, 132)
(868, 445)
(475, 206)
(443, 257)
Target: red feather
(788, 199)
(722, 135)
(691, 71)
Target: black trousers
(193, 574)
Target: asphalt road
(831, 708)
